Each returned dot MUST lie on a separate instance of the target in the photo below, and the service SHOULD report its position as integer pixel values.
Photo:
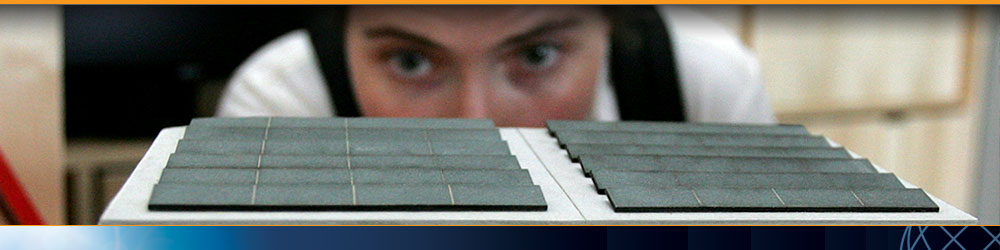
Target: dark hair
(642, 63)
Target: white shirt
(720, 79)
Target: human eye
(538, 57)
(530, 64)
(410, 65)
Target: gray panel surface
(304, 196)
(645, 199)
(725, 164)
(327, 122)
(675, 127)
(650, 138)
(419, 123)
(185, 160)
(346, 197)
(576, 150)
(610, 178)
(335, 147)
(387, 164)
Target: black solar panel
(681, 167)
(352, 164)
(347, 197)
(340, 147)
(577, 150)
(726, 164)
(645, 199)
(605, 179)
(675, 127)
(689, 139)
(183, 160)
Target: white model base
(571, 198)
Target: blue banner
(498, 237)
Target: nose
(474, 93)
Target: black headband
(642, 63)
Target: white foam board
(571, 198)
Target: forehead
(468, 13)
(466, 22)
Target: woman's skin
(517, 65)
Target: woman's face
(517, 65)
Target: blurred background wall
(903, 86)
(31, 103)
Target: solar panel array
(344, 164)
(684, 167)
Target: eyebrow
(538, 30)
(393, 32)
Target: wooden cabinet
(898, 84)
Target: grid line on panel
(858, 198)
(267, 128)
(354, 194)
(256, 179)
(428, 140)
(350, 172)
(779, 197)
(697, 198)
(451, 194)
(263, 147)
(253, 195)
(347, 142)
